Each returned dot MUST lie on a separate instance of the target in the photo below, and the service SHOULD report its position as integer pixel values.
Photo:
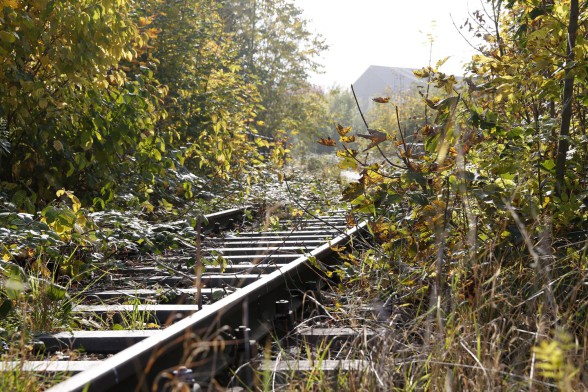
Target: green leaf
(508, 176)
(5, 308)
(348, 164)
(419, 198)
(416, 177)
(13, 271)
(55, 292)
(352, 191)
(392, 198)
(14, 287)
(431, 143)
(548, 165)
(8, 37)
(50, 214)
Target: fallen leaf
(350, 220)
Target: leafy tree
(211, 108)
(496, 201)
(531, 85)
(567, 97)
(342, 107)
(101, 91)
(71, 117)
(310, 119)
(278, 52)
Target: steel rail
(137, 367)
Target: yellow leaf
(152, 33)
(9, 3)
(81, 220)
(148, 206)
(348, 163)
(59, 228)
(441, 62)
(7, 37)
(58, 146)
(76, 204)
(347, 153)
(343, 130)
(422, 73)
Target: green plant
(19, 380)
(477, 246)
(136, 318)
(34, 303)
(554, 360)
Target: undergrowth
(478, 260)
(485, 328)
(49, 259)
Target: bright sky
(386, 32)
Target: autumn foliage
(480, 207)
(101, 95)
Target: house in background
(379, 81)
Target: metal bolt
(282, 307)
(284, 319)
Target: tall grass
(491, 325)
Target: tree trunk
(567, 97)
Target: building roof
(379, 80)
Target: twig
(170, 269)
(359, 108)
(307, 211)
(386, 158)
(367, 127)
(476, 359)
(317, 303)
(462, 36)
(406, 159)
(377, 171)
(537, 259)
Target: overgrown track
(261, 281)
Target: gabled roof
(379, 80)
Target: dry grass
(491, 324)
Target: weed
(136, 318)
(33, 303)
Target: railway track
(210, 319)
